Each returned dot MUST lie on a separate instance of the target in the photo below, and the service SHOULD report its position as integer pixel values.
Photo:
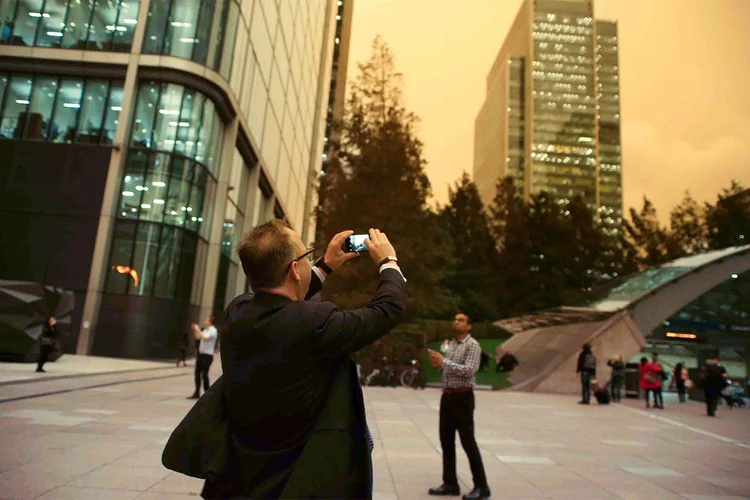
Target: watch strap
(386, 260)
(322, 264)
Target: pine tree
(472, 278)
(381, 183)
(651, 240)
(687, 227)
(728, 222)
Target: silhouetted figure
(587, 368)
(618, 377)
(47, 343)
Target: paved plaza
(100, 436)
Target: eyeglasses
(308, 254)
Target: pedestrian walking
(47, 343)
(660, 375)
(205, 357)
(679, 381)
(459, 367)
(587, 368)
(617, 378)
(714, 378)
(649, 381)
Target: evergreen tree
(651, 241)
(472, 278)
(380, 182)
(728, 222)
(688, 228)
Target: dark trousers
(586, 386)
(658, 398)
(202, 364)
(681, 392)
(616, 387)
(457, 414)
(712, 399)
(44, 352)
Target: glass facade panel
(93, 108)
(51, 108)
(114, 106)
(186, 29)
(178, 193)
(67, 108)
(119, 276)
(17, 101)
(88, 24)
(145, 254)
(42, 99)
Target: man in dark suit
(295, 408)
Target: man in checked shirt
(459, 366)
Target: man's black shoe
(446, 490)
(41, 370)
(194, 396)
(477, 493)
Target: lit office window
(90, 25)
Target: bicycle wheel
(407, 378)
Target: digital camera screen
(356, 243)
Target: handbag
(199, 445)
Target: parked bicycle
(410, 376)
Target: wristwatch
(322, 264)
(388, 259)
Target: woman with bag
(649, 381)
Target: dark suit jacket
(293, 401)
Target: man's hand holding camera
(378, 246)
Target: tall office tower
(551, 116)
(337, 92)
(143, 137)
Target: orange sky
(684, 70)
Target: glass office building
(141, 139)
(551, 116)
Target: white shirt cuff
(392, 265)
(319, 274)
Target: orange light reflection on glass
(127, 270)
(682, 335)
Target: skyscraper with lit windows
(551, 117)
(142, 138)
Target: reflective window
(173, 118)
(42, 99)
(67, 108)
(85, 24)
(187, 29)
(63, 110)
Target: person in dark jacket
(587, 368)
(617, 378)
(714, 380)
(679, 377)
(47, 343)
(296, 415)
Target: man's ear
(295, 271)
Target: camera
(356, 243)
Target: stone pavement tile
(713, 497)
(738, 484)
(73, 493)
(141, 458)
(62, 440)
(164, 496)
(179, 484)
(34, 479)
(381, 495)
(652, 471)
(689, 485)
(100, 452)
(120, 477)
(524, 459)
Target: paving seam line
(63, 391)
(81, 375)
(686, 427)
